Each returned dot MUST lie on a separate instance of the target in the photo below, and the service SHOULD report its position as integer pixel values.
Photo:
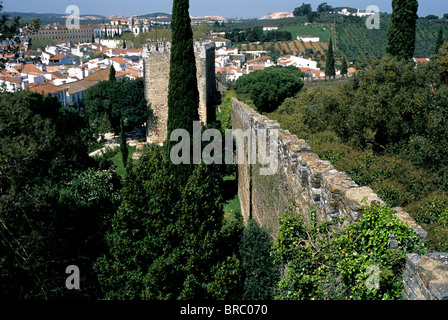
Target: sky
(227, 8)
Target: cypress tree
(183, 94)
(439, 41)
(401, 32)
(123, 145)
(344, 67)
(329, 63)
(112, 73)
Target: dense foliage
(322, 263)
(166, 240)
(112, 100)
(385, 128)
(254, 34)
(268, 88)
(54, 204)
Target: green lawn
(118, 161)
(230, 195)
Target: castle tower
(156, 57)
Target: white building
(10, 84)
(345, 12)
(223, 51)
(298, 62)
(363, 13)
(221, 42)
(308, 38)
(118, 63)
(233, 73)
(269, 28)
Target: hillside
(350, 35)
(277, 15)
(354, 40)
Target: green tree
(165, 238)
(330, 70)
(123, 144)
(35, 25)
(112, 73)
(258, 265)
(312, 16)
(268, 88)
(183, 94)
(344, 67)
(9, 29)
(401, 32)
(303, 10)
(324, 7)
(53, 207)
(131, 99)
(439, 41)
(115, 99)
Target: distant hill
(33, 15)
(212, 18)
(277, 15)
(159, 15)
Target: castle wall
(156, 74)
(302, 180)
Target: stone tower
(156, 57)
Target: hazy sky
(226, 8)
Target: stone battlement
(156, 56)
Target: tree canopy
(303, 10)
(268, 88)
(54, 203)
(401, 32)
(166, 240)
(115, 99)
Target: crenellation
(156, 57)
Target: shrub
(429, 209)
(322, 263)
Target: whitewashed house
(296, 61)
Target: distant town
(81, 57)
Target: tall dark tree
(344, 67)
(439, 41)
(401, 32)
(330, 70)
(183, 94)
(123, 145)
(165, 238)
(112, 73)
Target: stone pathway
(112, 141)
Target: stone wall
(426, 277)
(303, 180)
(156, 74)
